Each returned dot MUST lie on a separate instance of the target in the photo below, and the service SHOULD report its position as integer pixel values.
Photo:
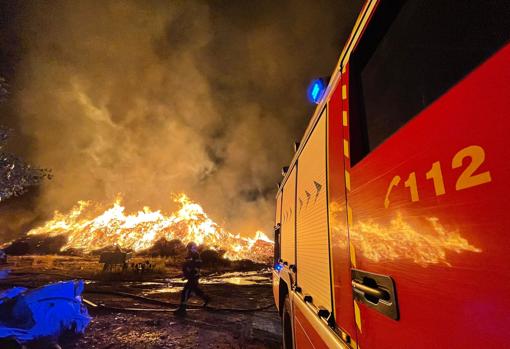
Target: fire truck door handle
(376, 291)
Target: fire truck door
(427, 176)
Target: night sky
(149, 98)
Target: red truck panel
(305, 335)
(444, 242)
(343, 299)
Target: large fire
(88, 231)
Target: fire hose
(160, 302)
(191, 307)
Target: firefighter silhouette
(191, 272)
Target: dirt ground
(230, 320)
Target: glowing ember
(141, 230)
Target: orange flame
(141, 230)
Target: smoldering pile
(54, 245)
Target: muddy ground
(230, 321)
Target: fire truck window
(413, 52)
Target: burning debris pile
(88, 231)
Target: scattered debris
(114, 259)
(134, 312)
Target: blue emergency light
(278, 267)
(316, 90)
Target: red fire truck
(392, 219)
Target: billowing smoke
(147, 98)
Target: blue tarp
(43, 312)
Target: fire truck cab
(391, 227)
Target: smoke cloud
(149, 98)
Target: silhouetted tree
(16, 176)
